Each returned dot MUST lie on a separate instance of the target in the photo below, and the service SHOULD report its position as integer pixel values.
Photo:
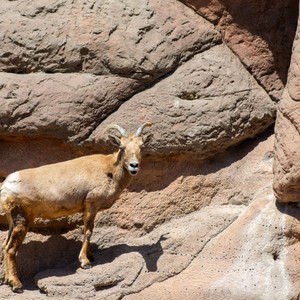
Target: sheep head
(130, 146)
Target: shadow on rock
(151, 253)
(157, 175)
(291, 208)
(56, 252)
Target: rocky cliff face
(286, 167)
(260, 33)
(201, 219)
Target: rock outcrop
(209, 222)
(260, 33)
(207, 83)
(236, 242)
(207, 105)
(287, 165)
(136, 39)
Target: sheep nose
(134, 165)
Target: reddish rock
(287, 151)
(259, 32)
(23, 153)
(194, 223)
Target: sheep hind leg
(15, 240)
(11, 226)
(85, 256)
(10, 229)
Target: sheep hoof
(86, 266)
(17, 289)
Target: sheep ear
(114, 140)
(147, 138)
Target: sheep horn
(119, 128)
(141, 128)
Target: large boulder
(207, 105)
(62, 106)
(139, 39)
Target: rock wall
(208, 74)
(286, 166)
(260, 33)
(83, 71)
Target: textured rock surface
(237, 232)
(206, 105)
(64, 106)
(194, 223)
(235, 271)
(287, 165)
(139, 39)
(263, 45)
(142, 261)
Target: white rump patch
(12, 183)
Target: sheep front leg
(15, 240)
(89, 217)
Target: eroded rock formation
(286, 166)
(201, 218)
(260, 33)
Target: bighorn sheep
(87, 184)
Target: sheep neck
(121, 174)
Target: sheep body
(89, 178)
(88, 184)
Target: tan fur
(87, 184)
